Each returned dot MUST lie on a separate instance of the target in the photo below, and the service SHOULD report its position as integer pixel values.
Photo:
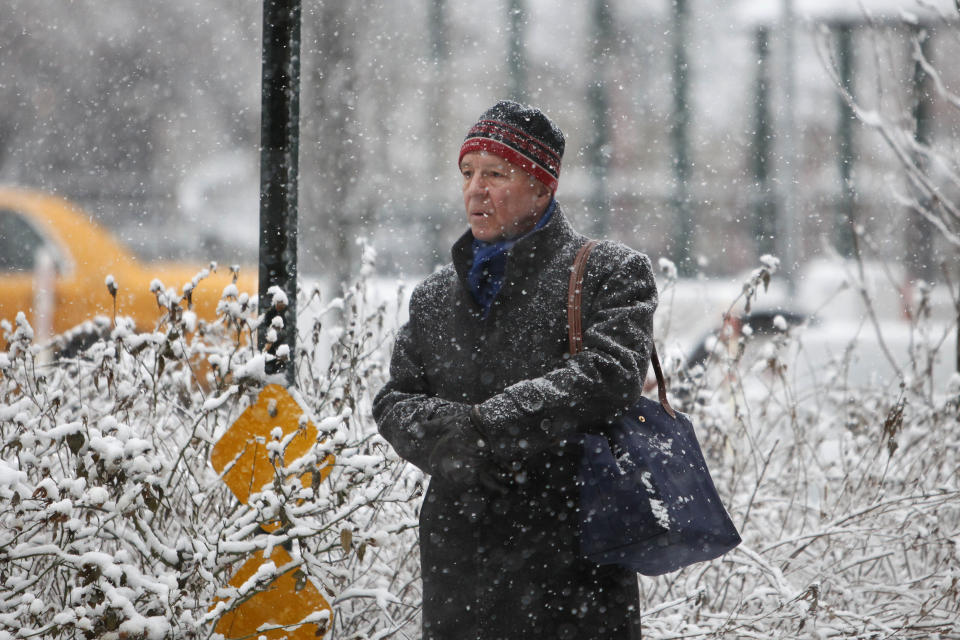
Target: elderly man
(484, 397)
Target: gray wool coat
(507, 566)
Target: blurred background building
(708, 132)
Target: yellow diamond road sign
(283, 605)
(243, 462)
(241, 457)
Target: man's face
(501, 199)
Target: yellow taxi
(55, 262)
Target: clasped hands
(461, 455)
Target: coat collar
(526, 257)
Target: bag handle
(575, 328)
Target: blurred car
(762, 323)
(54, 264)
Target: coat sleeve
(591, 387)
(405, 402)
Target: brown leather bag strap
(575, 328)
(575, 297)
(661, 382)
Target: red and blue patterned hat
(521, 135)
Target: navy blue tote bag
(647, 501)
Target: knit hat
(522, 135)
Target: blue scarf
(485, 277)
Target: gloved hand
(460, 456)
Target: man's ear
(542, 189)
(544, 198)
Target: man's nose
(476, 186)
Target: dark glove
(460, 456)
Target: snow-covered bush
(846, 492)
(114, 524)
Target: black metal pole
(279, 144)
